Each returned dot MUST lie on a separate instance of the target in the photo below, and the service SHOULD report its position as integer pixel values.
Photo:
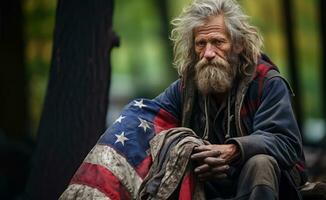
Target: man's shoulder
(268, 73)
(265, 69)
(267, 79)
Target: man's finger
(206, 175)
(201, 148)
(205, 154)
(220, 169)
(202, 169)
(214, 161)
(220, 176)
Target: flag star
(143, 124)
(139, 103)
(121, 138)
(119, 119)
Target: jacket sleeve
(275, 130)
(170, 99)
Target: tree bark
(76, 102)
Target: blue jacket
(262, 119)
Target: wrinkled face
(212, 39)
(214, 72)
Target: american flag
(118, 163)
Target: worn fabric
(171, 151)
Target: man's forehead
(212, 24)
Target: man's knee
(260, 170)
(262, 162)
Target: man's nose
(209, 53)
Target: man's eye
(217, 42)
(200, 43)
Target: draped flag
(117, 164)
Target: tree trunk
(322, 7)
(162, 8)
(76, 102)
(13, 100)
(292, 58)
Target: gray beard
(215, 76)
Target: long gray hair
(243, 35)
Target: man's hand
(213, 160)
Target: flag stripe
(77, 191)
(107, 157)
(164, 120)
(107, 183)
(187, 187)
(143, 168)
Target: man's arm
(275, 130)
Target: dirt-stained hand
(213, 160)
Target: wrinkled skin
(214, 160)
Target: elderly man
(231, 95)
(234, 97)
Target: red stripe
(102, 179)
(143, 168)
(187, 187)
(164, 120)
(263, 69)
(261, 73)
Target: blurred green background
(142, 65)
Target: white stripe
(82, 192)
(107, 157)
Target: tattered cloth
(121, 160)
(171, 151)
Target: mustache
(217, 62)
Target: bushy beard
(215, 76)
